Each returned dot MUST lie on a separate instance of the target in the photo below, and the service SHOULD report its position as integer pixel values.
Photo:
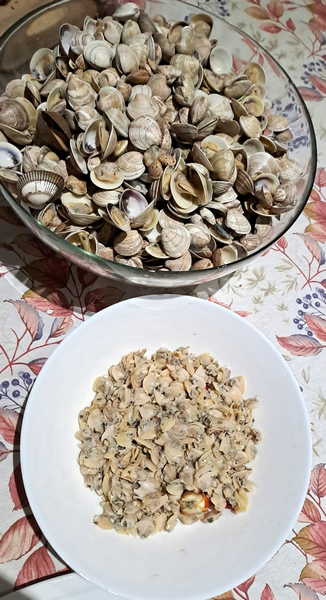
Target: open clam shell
(38, 188)
(107, 176)
(10, 156)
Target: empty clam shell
(119, 218)
(42, 63)
(277, 123)
(38, 188)
(119, 120)
(99, 54)
(145, 132)
(262, 162)
(79, 208)
(10, 156)
(250, 126)
(175, 241)
(142, 105)
(109, 97)
(254, 105)
(224, 255)
(244, 183)
(220, 61)
(126, 58)
(128, 243)
(220, 106)
(183, 263)
(131, 165)
(200, 236)
(77, 158)
(155, 251)
(106, 198)
(13, 114)
(255, 73)
(107, 176)
(253, 145)
(236, 221)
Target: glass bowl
(39, 29)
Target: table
(283, 293)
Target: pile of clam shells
(135, 140)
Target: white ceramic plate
(63, 587)
(194, 562)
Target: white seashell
(220, 61)
(42, 64)
(99, 54)
(144, 90)
(38, 188)
(128, 243)
(106, 198)
(109, 97)
(236, 221)
(131, 165)
(10, 156)
(175, 241)
(119, 120)
(107, 176)
(126, 59)
(220, 106)
(142, 105)
(183, 263)
(145, 132)
(79, 209)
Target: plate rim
(74, 564)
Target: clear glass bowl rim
(186, 275)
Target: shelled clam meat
(135, 140)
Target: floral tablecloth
(283, 293)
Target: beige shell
(106, 198)
(250, 126)
(236, 221)
(79, 208)
(112, 30)
(220, 106)
(183, 263)
(126, 59)
(119, 120)
(42, 64)
(223, 165)
(109, 97)
(13, 114)
(107, 176)
(175, 241)
(131, 165)
(145, 132)
(128, 243)
(79, 93)
(220, 61)
(224, 255)
(142, 105)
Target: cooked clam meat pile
(135, 140)
(167, 439)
